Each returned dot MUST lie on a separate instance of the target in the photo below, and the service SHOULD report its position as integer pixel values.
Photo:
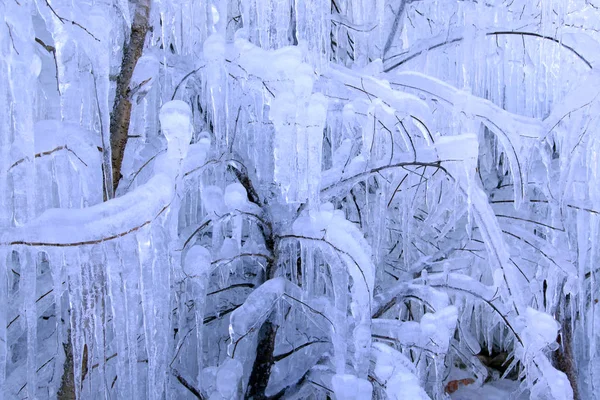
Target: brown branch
(121, 114)
(87, 242)
(358, 176)
(52, 50)
(241, 255)
(184, 79)
(310, 308)
(563, 358)
(241, 174)
(261, 368)
(45, 153)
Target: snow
(500, 390)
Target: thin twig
(52, 50)
(188, 385)
(63, 20)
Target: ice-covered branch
(121, 216)
(458, 35)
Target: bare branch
(410, 55)
(51, 50)
(187, 385)
(280, 357)
(45, 153)
(63, 20)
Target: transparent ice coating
(425, 178)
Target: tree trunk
(121, 114)
(67, 383)
(563, 358)
(261, 369)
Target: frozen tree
(299, 199)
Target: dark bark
(261, 369)
(67, 384)
(563, 358)
(121, 114)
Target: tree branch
(188, 385)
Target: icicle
(131, 287)
(118, 312)
(3, 316)
(28, 287)
(21, 77)
(198, 267)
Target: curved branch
(358, 176)
(337, 249)
(280, 357)
(184, 79)
(87, 242)
(447, 42)
(45, 153)
(488, 302)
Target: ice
(425, 187)
(257, 307)
(432, 297)
(396, 373)
(144, 76)
(197, 262)
(67, 147)
(235, 196)
(433, 332)
(349, 387)
(197, 266)
(554, 383)
(175, 119)
(228, 379)
(507, 127)
(214, 47)
(341, 236)
(213, 201)
(499, 390)
(539, 330)
(288, 371)
(196, 156)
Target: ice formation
(352, 199)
